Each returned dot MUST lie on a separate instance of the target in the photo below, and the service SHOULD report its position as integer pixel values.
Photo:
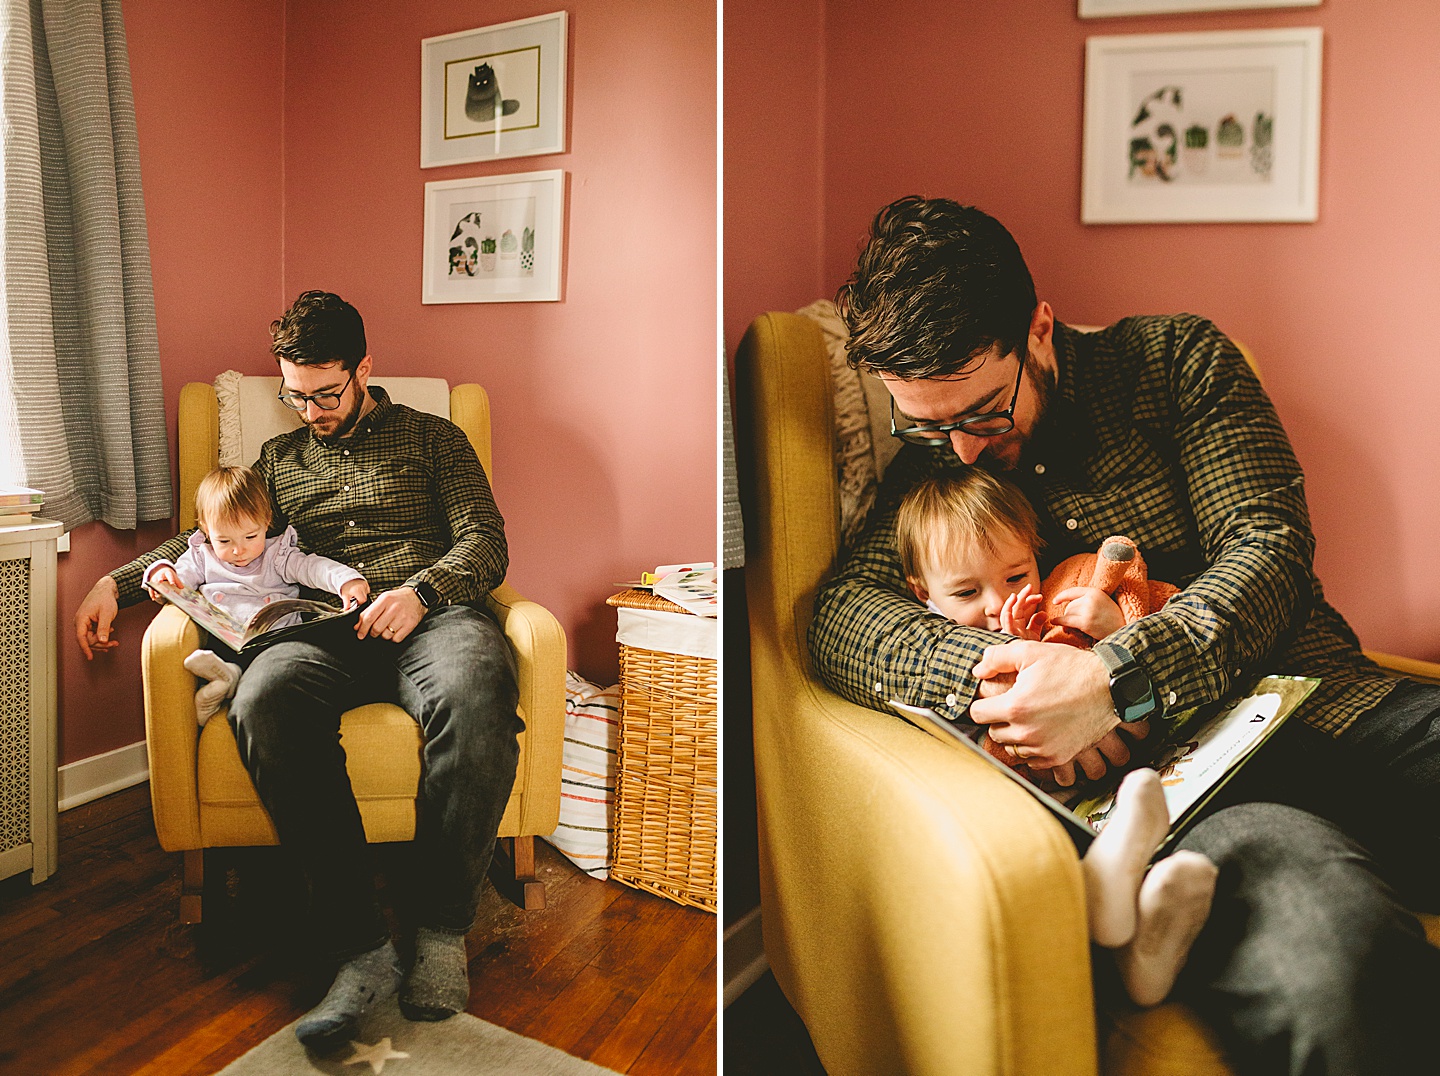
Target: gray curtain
(83, 362)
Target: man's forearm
(872, 645)
(127, 577)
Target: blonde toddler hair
(960, 511)
(230, 493)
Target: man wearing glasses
(1155, 428)
(400, 496)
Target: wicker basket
(666, 790)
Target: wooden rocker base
(512, 870)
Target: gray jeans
(456, 676)
(1311, 962)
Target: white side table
(28, 673)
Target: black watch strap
(1130, 688)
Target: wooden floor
(98, 976)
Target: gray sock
(360, 983)
(437, 986)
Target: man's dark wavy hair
(937, 285)
(319, 327)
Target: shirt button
(951, 699)
(1039, 468)
(345, 488)
(344, 452)
(878, 689)
(1071, 524)
(1170, 699)
(349, 523)
(1237, 671)
(361, 564)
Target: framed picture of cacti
(1221, 126)
(1104, 9)
(496, 91)
(494, 239)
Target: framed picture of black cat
(493, 92)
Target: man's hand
(1088, 609)
(94, 617)
(393, 615)
(1058, 706)
(355, 592)
(166, 574)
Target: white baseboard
(744, 955)
(99, 775)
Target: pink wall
(774, 78)
(604, 403)
(207, 81)
(279, 152)
(983, 103)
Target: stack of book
(18, 504)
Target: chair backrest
(245, 413)
(793, 520)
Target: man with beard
(1157, 429)
(401, 496)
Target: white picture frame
(494, 92)
(1107, 9)
(1216, 126)
(494, 239)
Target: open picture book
(260, 630)
(1195, 753)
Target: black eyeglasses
(990, 424)
(326, 401)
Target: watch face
(1132, 695)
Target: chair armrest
(922, 911)
(538, 642)
(1428, 671)
(171, 732)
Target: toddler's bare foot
(1115, 864)
(1174, 904)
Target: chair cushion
(250, 414)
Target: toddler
(233, 564)
(968, 547)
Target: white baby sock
(222, 677)
(1115, 864)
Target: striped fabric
(79, 305)
(1156, 429)
(587, 775)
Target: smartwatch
(1130, 689)
(428, 595)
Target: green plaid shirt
(1158, 430)
(403, 499)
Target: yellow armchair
(921, 913)
(200, 791)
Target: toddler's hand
(355, 592)
(1020, 616)
(165, 574)
(1089, 610)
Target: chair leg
(192, 884)
(513, 871)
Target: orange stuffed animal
(1118, 570)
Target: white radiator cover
(28, 672)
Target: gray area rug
(390, 1045)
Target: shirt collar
(376, 416)
(1064, 435)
